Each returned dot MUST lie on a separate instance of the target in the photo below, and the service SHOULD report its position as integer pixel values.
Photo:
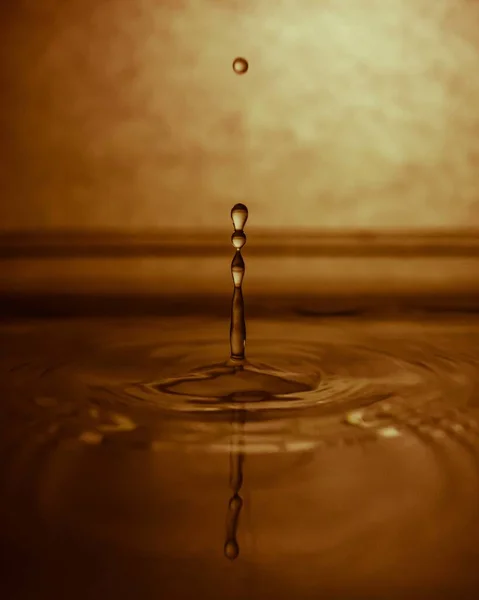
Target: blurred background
(126, 114)
(125, 131)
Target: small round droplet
(231, 549)
(239, 215)
(240, 65)
(238, 239)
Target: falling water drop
(240, 65)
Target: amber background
(126, 113)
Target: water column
(239, 216)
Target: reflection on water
(236, 501)
(361, 484)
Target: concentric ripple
(324, 380)
(331, 376)
(356, 437)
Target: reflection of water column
(235, 505)
(239, 215)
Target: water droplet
(240, 65)
(239, 216)
(238, 239)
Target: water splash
(220, 386)
(239, 216)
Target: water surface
(362, 484)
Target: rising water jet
(235, 382)
(239, 216)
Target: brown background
(127, 114)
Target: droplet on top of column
(239, 216)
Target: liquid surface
(361, 481)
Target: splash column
(239, 216)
